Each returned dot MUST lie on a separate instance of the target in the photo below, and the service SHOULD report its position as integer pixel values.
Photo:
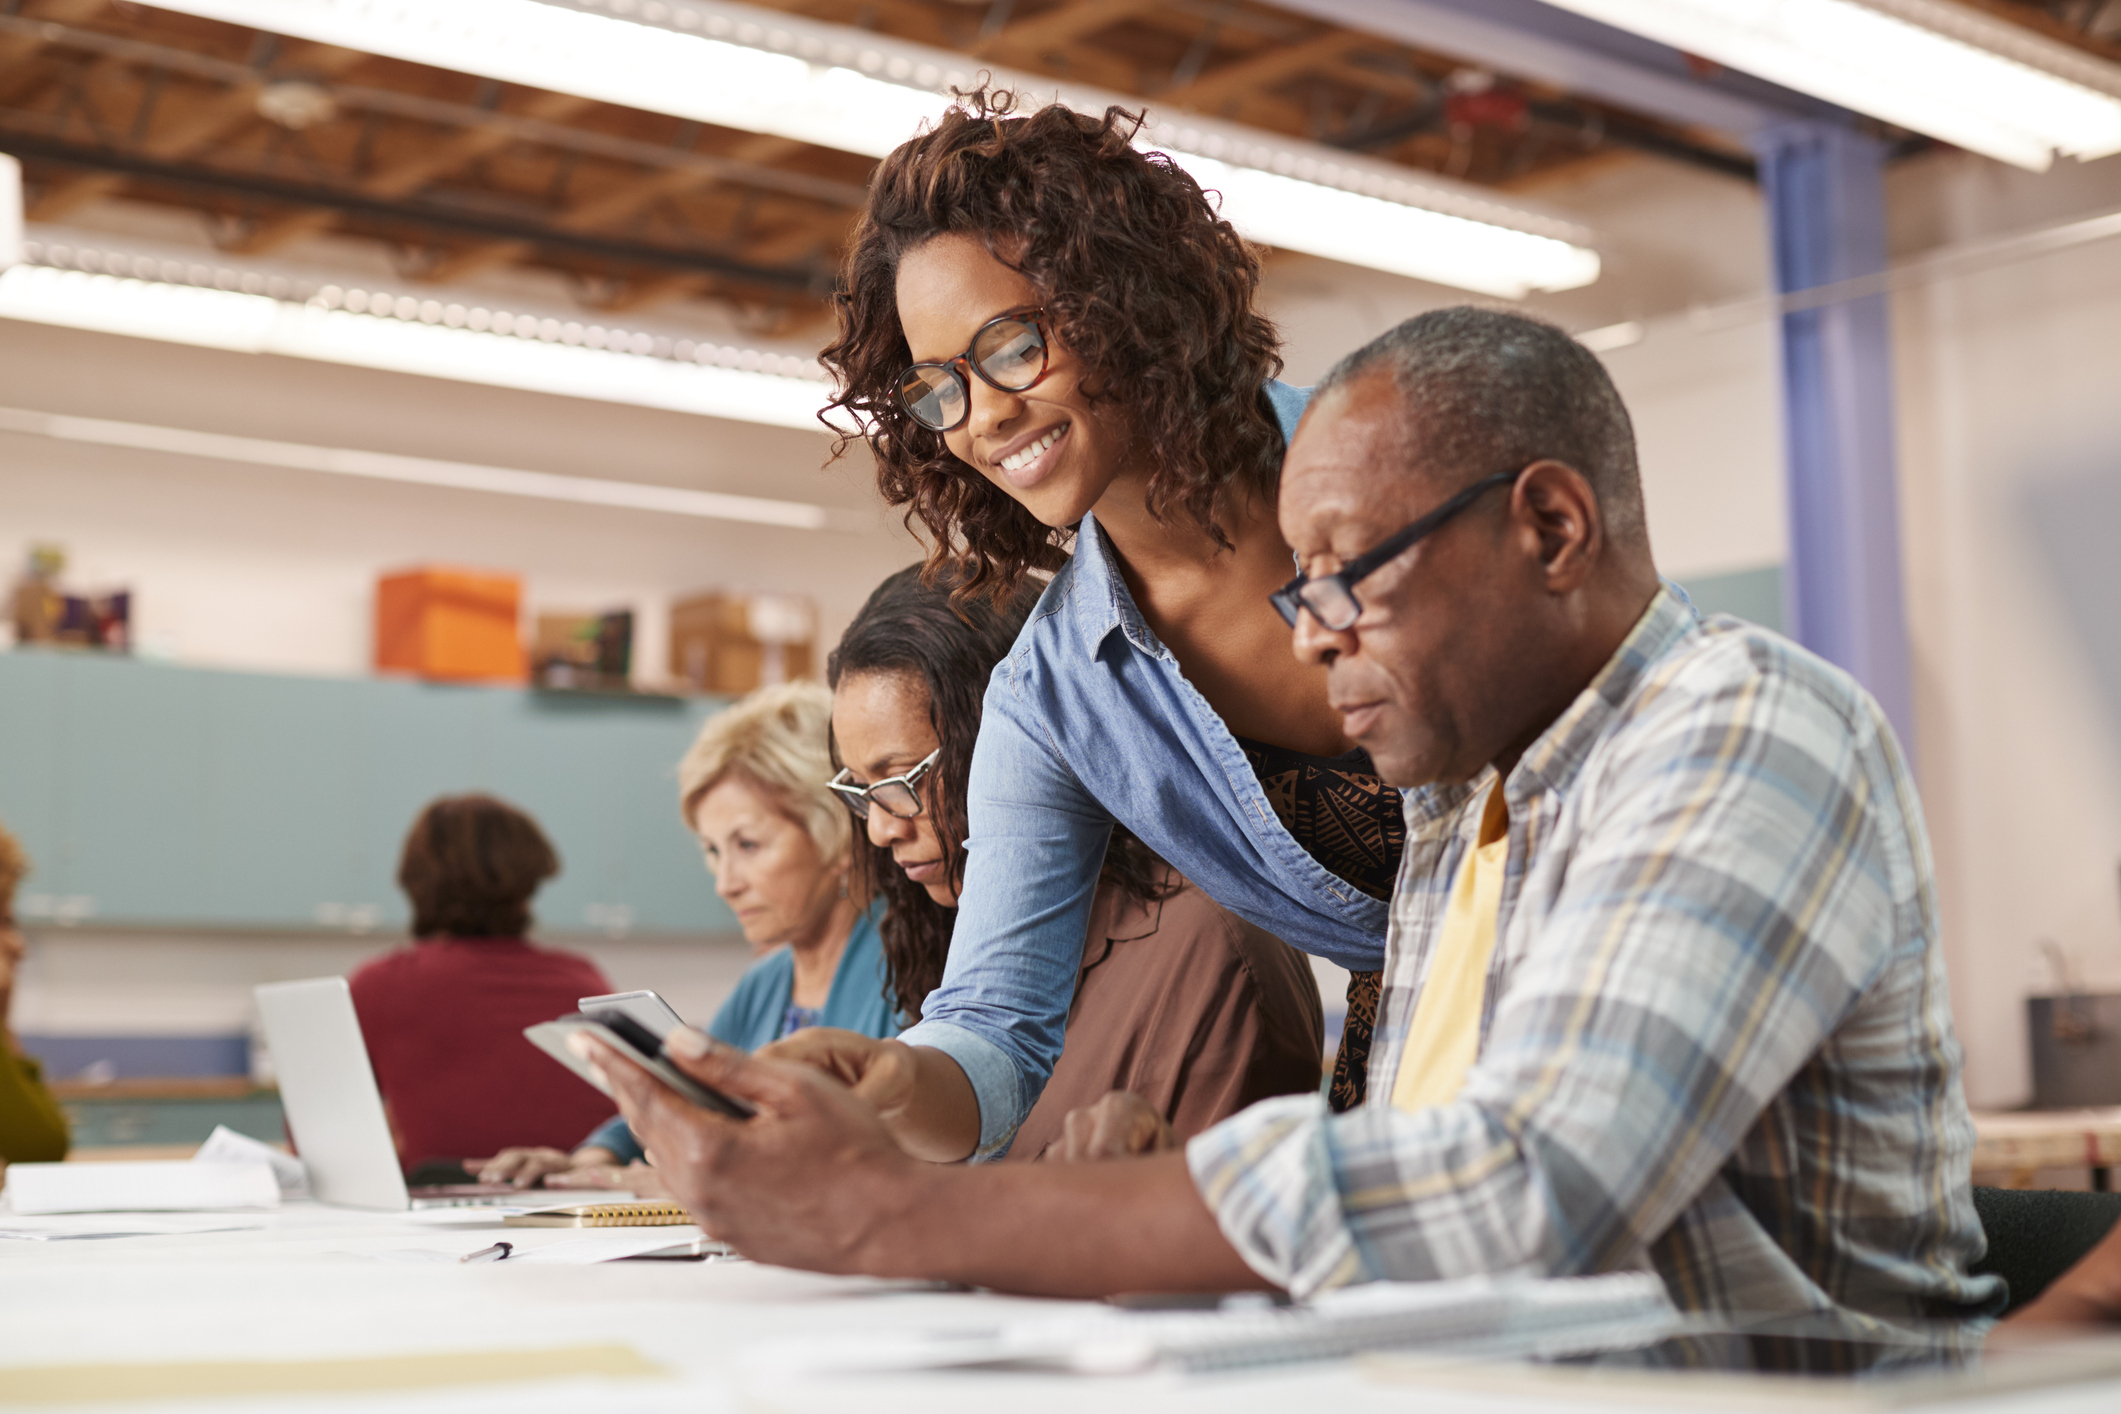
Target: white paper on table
(225, 1146)
(57, 1229)
(615, 1247)
(1502, 1318)
(463, 1217)
(139, 1187)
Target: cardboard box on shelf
(733, 643)
(583, 650)
(451, 624)
(43, 611)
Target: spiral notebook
(602, 1215)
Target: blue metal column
(1842, 590)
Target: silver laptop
(334, 1109)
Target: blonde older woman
(752, 788)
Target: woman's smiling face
(1046, 447)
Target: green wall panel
(135, 788)
(1754, 594)
(187, 796)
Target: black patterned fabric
(1351, 1063)
(1348, 820)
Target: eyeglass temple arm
(1362, 564)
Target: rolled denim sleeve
(1031, 868)
(616, 1135)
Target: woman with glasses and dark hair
(1180, 1003)
(1049, 342)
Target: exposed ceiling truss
(276, 142)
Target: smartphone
(638, 1044)
(645, 1007)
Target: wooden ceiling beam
(185, 135)
(637, 295)
(1260, 71)
(409, 174)
(1059, 26)
(610, 206)
(633, 197)
(15, 48)
(797, 238)
(1403, 85)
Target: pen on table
(489, 1254)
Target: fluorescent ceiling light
(1607, 338)
(1927, 65)
(761, 71)
(1388, 235)
(429, 337)
(424, 471)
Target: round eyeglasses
(896, 794)
(1008, 354)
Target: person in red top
(444, 1017)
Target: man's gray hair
(1490, 391)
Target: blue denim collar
(1098, 598)
(1097, 595)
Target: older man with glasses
(1663, 989)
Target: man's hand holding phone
(812, 1179)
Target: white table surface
(310, 1285)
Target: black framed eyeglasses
(895, 793)
(1331, 597)
(1008, 353)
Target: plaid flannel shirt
(1716, 1039)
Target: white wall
(1705, 405)
(2008, 382)
(255, 567)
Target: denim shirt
(1089, 720)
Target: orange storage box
(459, 625)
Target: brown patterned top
(1338, 809)
(1348, 820)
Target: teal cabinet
(153, 794)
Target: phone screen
(645, 1007)
(629, 1030)
(637, 1043)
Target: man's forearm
(1092, 1229)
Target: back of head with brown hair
(1141, 280)
(470, 865)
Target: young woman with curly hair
(1047, 336)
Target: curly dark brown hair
(1140, 280)
(929, 632)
